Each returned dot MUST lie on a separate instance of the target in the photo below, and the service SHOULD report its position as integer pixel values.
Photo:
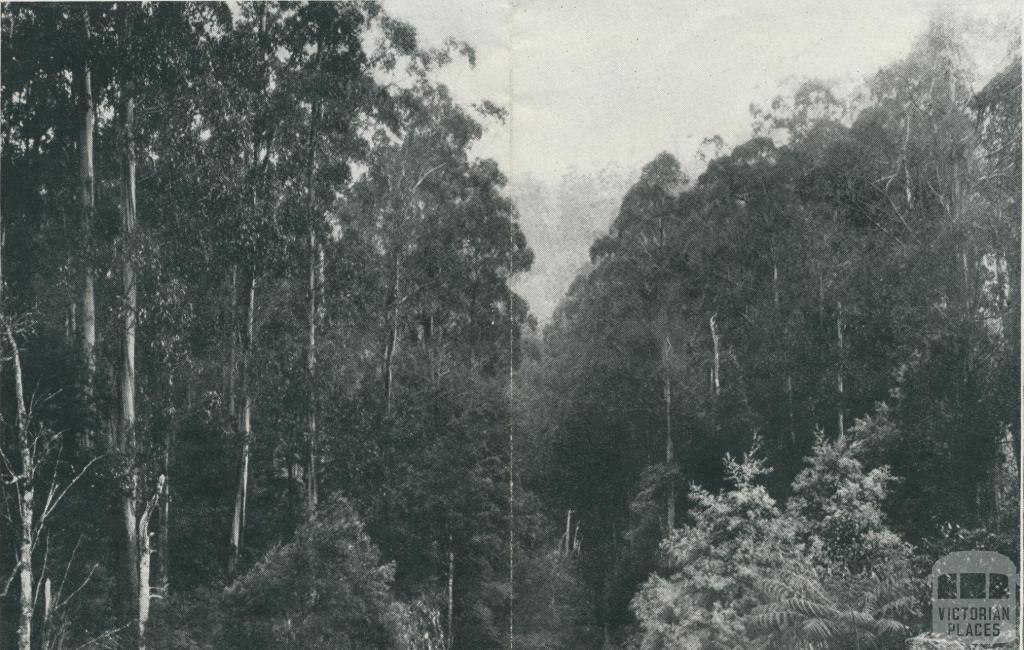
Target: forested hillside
(258, 328)
(790, 384)
(266, 382)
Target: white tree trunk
(164, 542)
(25, 550)
(315, 271)
(88, 199)
(565, 546)
(451, 590)
(145, 555)
(241, 495)
(47, 611)
(391, 345)
(716, 366)
(127, 442)
(25, 503)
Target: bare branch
(42, 571)
(106, 635)
(56, 502)
(415, 187)
(78, 589)
(10, 580)
(19, 388)
(67, 567)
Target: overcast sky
(613, 82)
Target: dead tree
(35, 444)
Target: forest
(266, 381)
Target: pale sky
(610, 83)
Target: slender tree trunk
(136, 523)
(430, 345)
(26, 504)
(88, 197)
(145, 555)
(315, 268)
(128, 441)
(967, 324)
(71, 319)
(968, 284)
(716, 366)
(238, 520)
(25, 561)
(3, 240)
(906, 161)
(47, 611)
(391, 345)
(775, 285)
(564, 547)
(839, 368)
(1, 317)
(451, 590)
(955, 157)
(785, 335)
(666, 354)
(163, 541)
(233, 355)
(666, 360)
(389, 356)
(789, 401)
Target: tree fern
(736, 579)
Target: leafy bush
(737, 542)
(326, 588)
(838, 510)
(824, 573)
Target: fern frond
(811, 608)
(820, 629)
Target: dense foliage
(843, 288)
(745, 574)
(266, 382)
(280, 277)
